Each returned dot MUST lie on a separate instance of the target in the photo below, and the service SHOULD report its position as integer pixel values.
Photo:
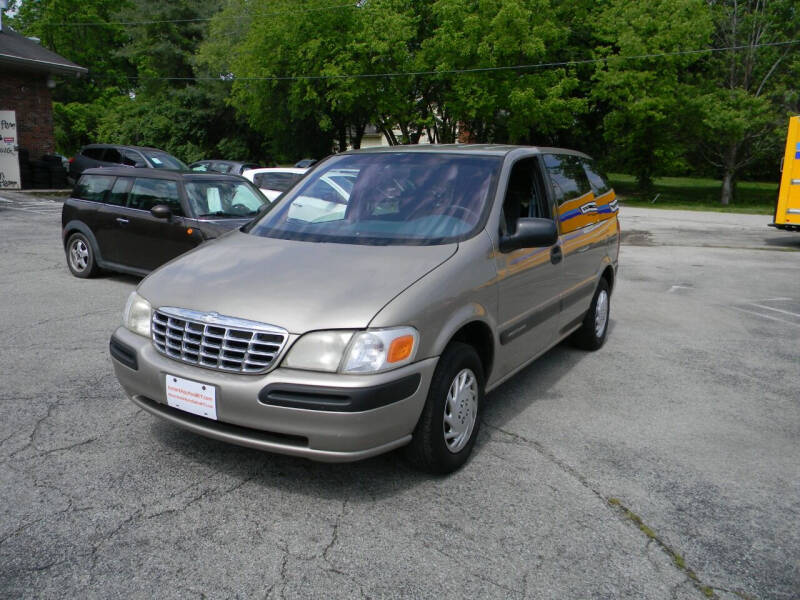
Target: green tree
(503, 105)
(744, 104)
(647, 98)
(74, 30)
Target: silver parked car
(345, 327)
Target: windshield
(162, 160)
(225, 199)
(385, 198)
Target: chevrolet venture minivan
(342, 332)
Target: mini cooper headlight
(137, 315)
(354, 351)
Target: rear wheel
(448, 426)
(592, 333)
(80, 256)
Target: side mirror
(140, 165)
(161, 211)
(531, 233)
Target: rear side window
(598, 182)
(112, 155)
(567, 176)
(119, 193)
(280, 182)
(93, 187)
(147, 193)
(93, 153)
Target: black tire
(589, 336)
(428, 449)
(82, 264)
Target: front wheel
(447, 429)
(592, 333)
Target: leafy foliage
(642, 84)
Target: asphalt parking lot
(665, 465)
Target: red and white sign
(9, 157)
(192, 397)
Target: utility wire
(197, 20)
(564, 63)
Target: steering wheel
(241, 209)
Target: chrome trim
(793, 211)
(216, 341)
(795, 181)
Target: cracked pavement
(666, 465)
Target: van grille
(215, 341)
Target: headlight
(318, 351)
(354, 352)
(381, 350)
(137, 315)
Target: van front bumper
(322, 416)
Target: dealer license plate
(192, 397)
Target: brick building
(26, 80)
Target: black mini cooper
(134, 220)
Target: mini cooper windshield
(386, 199)
(224, 198)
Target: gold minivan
(375, 303)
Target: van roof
(476, 149)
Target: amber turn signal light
(189, 231)
(400, 349)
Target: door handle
(122, 221)
(556, 255)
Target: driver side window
(525, 195)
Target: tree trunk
(727, 187)
(728, 176)
(342, 139)
(356, 135)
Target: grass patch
(695, 193)
(677, 559)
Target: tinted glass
(395, 198)
(524, 197)
(223, 198)
(93, 153)
(112, 155)
(162, 160)
(119, 193)
(280, 182)
(567, 176)
(147, 193)
(221, 167)
(202, 167)
(597, 180)
(93, 187)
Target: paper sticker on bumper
(192, 397)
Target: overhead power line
(198, 20)
(542, 65)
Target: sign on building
(9, 157)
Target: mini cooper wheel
(592, 334)
(80, 256)
(447, 429)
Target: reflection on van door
(529, 279)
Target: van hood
(300, 286)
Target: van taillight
(71, 160)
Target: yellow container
(787, 211)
